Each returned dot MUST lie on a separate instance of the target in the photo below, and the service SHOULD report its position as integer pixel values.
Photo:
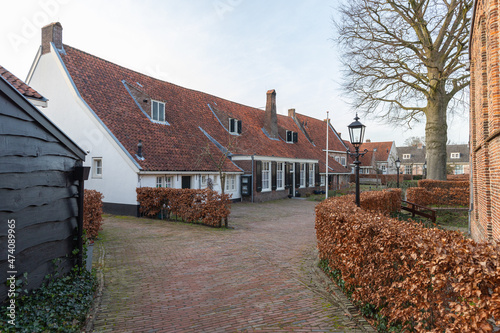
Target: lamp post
(425, 170)
(356, 134)
(398, 165)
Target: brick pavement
(257, 277)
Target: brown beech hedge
(420, 279)
(92, 213)
(202, 206)
(443, 193)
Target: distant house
(484, 119)
(413, 159)
(143, 132)
(39, 186)
(380, 158)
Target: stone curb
(89, 322)
(334, 295)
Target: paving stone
(257, 276)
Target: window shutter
(288, 174)
(258, 176)
(317, 177)
(231, 125)
(295, 137)
(239, 126)
(273, 176)
(288, 136)
(307, 174)
(297, 175)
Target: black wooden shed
(40, 202)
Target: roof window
(234, 126)
(291, 137)
(158, 111)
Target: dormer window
(455, 155)
(234, 126)
(406, 156)
(158, 111)
(291, 137)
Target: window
(383, 168)
(291, 136)
(323, 180)
(302, 175)
(343, 161)
(455, 155)
(234, 126)
(97, 167)
(168, 181)
(459, 169)
(337, 159)
(311, 175)
(204, 180)
(408, 169)
(158, 111)
(280, 173)
(230, 182)
(159, 181)
(406, 156)
(266, 176)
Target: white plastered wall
(73, 116)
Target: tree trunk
(436, 135)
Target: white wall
(119, 175)
(149, 180)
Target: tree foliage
(405, 60)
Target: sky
(233, 49)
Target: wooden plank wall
(38, 191)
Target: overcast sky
(234, 49)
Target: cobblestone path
(257, 276)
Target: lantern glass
(398, 163)
(356, 132)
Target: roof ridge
(160, 80)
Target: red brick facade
(485, 122)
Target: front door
(186, 181)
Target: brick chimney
(270, 118)
(291, 113)
(368, 140)
(52, 33)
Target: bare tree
(406, 59)
(414, 141)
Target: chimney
(270, 118)
(420, 145)
(52, 33)
(291, 113)
(368, 140)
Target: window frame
(343, 160)
(302, 175)
(159, 181)
(455, 156)
(280, 176)
(406, 156)
(159, 103)
(266, 176)
(96, 167)
(408, 167)
(311, 174)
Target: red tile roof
(377, 152)
(177, 146)
(22, 87)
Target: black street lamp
(356, 134)
(398, 165)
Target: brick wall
(485, 122)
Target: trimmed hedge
(203, 206)
(92, 213)
(386, 201)
(418, 279)
(436, 192)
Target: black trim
(297, 175)
(258, 176)
(239, 126)
(120, 209)
(295, 137)
(317, 177)
(307, 174)
(274, 178)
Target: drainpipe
(81, 174)
(253, 177)
(471, 189)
